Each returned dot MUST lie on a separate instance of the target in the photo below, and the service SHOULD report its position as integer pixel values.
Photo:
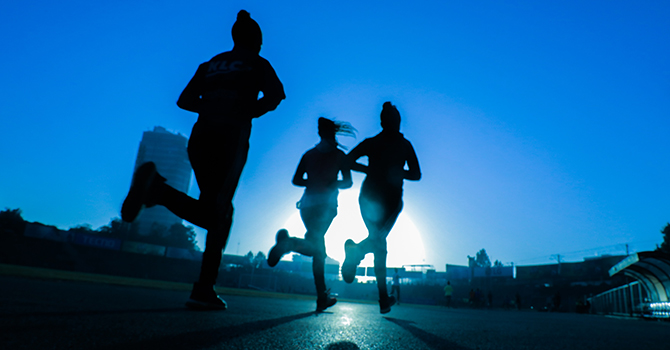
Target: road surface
(53, 313)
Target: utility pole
(627, 249)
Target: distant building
(302, 265)
(168, 151)
(590, 271)
(458, 272)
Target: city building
(168, 151)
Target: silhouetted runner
(395, 286)
(448, 293)
(318, 205)
(380, 199)
(224, 92)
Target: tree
(158, 235)
(83, 228)
(177, 235)
(498, 263)
(158, 232)
(116, 228)
(482, 259)
(259, 259)
(180, 236)
(249, 258)
(665, 245)
(12, 221)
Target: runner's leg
(218, 158)
(188, 208)
(379, 214)
(317, 220)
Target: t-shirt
(387, 154)
(322, 165)
(448, 290)
(225, 90)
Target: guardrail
(626, 300)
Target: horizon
(367, 262)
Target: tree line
(481, 259)
(177, 235)
(181, 236)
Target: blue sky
(541, 127)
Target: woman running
(318, 205)
(381, 196)
(224, 92)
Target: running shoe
(351, 261)
(205, 298)
(140, 191)
(325, 301)
(385, 304)
(281, 247)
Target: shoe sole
(275, 253)
(142, 179)
(274, 256)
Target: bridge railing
(627, 300)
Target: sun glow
(404, 242)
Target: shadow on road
(343, 345)
(208, 338)
(433, 341)
(93, 312)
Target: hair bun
(243, 15)
(390, 117)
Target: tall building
(168, 151)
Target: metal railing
(626, 300)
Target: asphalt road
(47, 313)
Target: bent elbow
(187, 105)
(413, 176)
(299, 182)
(180, 104)
(273, 102)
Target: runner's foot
(351, 261)
(205, 298)
(281, 247)
(325, 301)
(385, 304)
(140, 194)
